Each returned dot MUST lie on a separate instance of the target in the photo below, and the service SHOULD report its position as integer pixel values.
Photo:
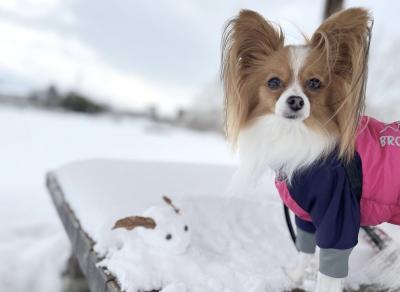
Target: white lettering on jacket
(390, 141)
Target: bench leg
(73, 280)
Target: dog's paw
(294, 273)
(303, 269)
(329, 284)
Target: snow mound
(233, 248)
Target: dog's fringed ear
(132, 222)
(344, 39)
(247, 40)
(169, 202)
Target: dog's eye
(274, 83)
(168, 236)
(314, 84)
(186, 228)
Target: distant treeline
(70, 101)
(207, 117)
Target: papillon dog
(298, 110)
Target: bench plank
(99, 279)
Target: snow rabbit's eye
(168, 236)
(186, 228)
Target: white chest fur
(280, 144)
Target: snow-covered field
(33, 142)
(231, 250)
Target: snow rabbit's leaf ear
(132, 222)
(169, 202)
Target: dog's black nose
(295, 103)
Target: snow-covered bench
(238, 243)
(94, 193)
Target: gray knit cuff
(305, 241)
(334, 262)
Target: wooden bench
(82, 244)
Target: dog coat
(324, 201)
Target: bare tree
(332, 6)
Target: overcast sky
(137, 52)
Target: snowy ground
(32, 237)
(34, 142)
